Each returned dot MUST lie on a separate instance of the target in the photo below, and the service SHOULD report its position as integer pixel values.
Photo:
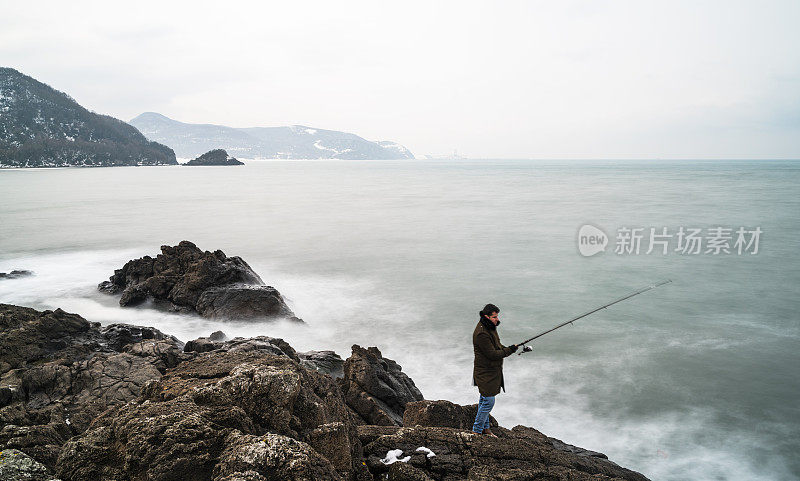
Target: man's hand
(513, 348)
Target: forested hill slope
(42, 127)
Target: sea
(697, 379)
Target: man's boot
(489, 432)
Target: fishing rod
(628, 296)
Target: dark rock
(327, 362)
(375, 387)
(120, 335)
(368, 433)
(202, 344)
(443, 414)
(18, 466)
(163, 351)
(176, 439)
(241, 301)
(109, 287)
(15, 274)
(218, 336)
(554, 473)
(185, 279)
(59, 372)
(6, 394)
(263, 344)
(108, 378)
(28, 335)
(208, 413)
(42, 442)
(562, 446)
(214, 157)
(133, 296)
(519, 454)
(406, 472)
(333, 442)
(272, 456)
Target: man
(487, 372)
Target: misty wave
(545, 392)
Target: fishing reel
(525, 348)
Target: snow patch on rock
(393, 456)
(428, 452)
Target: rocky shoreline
(79, 401)
(83, 401)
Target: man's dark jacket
(487, 372)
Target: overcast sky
(551, 79)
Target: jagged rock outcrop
(184, 278)
(375, 387)
(327, 362)
(58, 371)
(214, 157)
(202, 344)
(265, 344)
(272, 456)
(219, 415)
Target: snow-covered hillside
(291, 142)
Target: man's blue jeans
(485, 405)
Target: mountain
(214, 157)
(42, 127)
(293, 142)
